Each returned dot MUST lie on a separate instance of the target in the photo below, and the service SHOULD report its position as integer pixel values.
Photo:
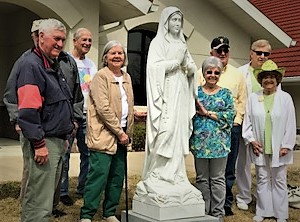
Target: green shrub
(139, 136)
(9, 189)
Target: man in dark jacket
(70, 71)
(45, 117)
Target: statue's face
(175, 24)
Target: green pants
(42, 180)
(106, 174)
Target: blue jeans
(64, 187)
(84, 161)
(84, 155)
(231, 162)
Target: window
(137, 51)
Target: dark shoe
(228, 211)
(66, 200)
(58, 213)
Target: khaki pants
(42, 181)
(24, 146)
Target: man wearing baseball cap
(10, 94)
(219, 42)
(232, 79)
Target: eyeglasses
(220, 50)
(259, 53)
(211, 72)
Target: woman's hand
(124, 139)
(257, 148)
(200, 108)
(283, 151)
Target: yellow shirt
(234, 80)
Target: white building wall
(293, 89)
(18, 40)
(204, 23)
(117, 32)
(89, 10)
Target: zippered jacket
(70, 71)
(44, 99)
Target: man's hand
(17, 128)
(67, 145)
(76, 125)
(41, 155)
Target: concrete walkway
(11, 162)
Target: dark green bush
(139, 136)
(9, 189)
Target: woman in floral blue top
(210, 140)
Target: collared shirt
(255, 85)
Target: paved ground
(11, 161)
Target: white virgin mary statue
(171, 89)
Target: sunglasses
(259, 53)
(211, 72)
(220, 50)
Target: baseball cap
(36, 24)
(219, 41)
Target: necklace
(268, 102)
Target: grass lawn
(10, 206)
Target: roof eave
(265, 22)
(291, 80)
(252, 21)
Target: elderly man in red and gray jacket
(46, 119)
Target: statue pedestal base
(135, 217)
(173, 213)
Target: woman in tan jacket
(110, 118)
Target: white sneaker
(242, 206)
(85, 220)
(281, 220)
(112, 219)
(258, 218)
